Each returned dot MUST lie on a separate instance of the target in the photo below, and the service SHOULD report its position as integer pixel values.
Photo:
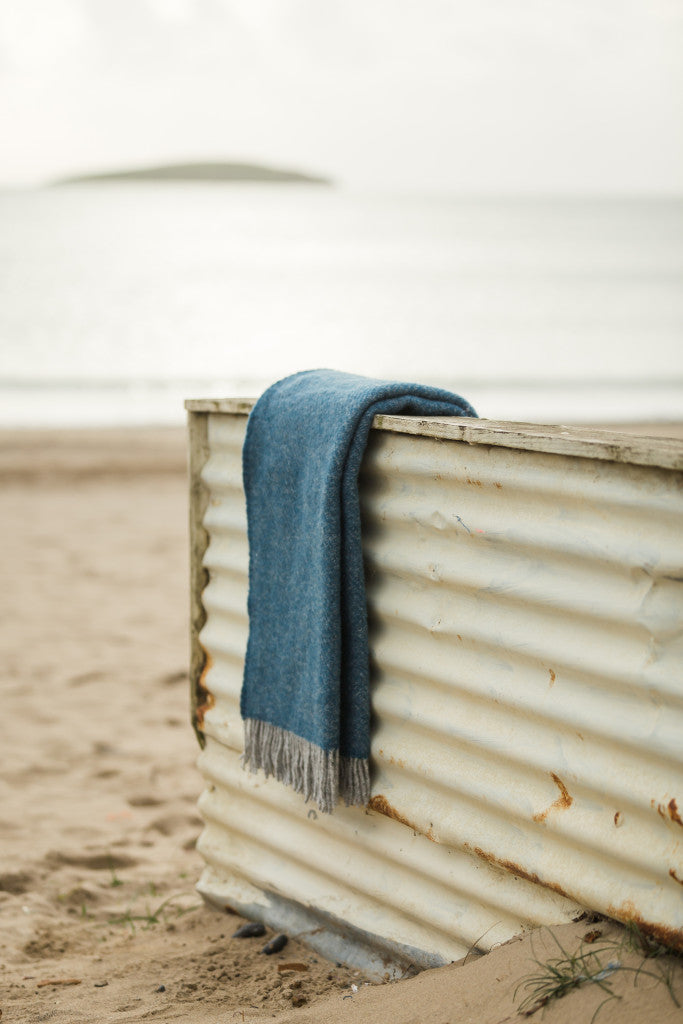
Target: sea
(118, 301)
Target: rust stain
(675, 877)
(476, 483)
(499, 486)
(205, 699)
(669, 810)
(563, 801)
(673, 812)
(617, 819)
(626, 912)
(380, 804)
(516, 869)
(552, 676)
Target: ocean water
(118, 301)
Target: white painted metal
(526, 612)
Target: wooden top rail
(581, 442)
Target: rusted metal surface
(204, 700)
(628, 911)
(404, 894)
(563, 801)
(669, 810)
(527, 632)
(378, 802)
(526, 626)
(200, 698)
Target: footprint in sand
(16, 882)
(96, 861)
(143, 800)
(77, 898)
(171, 678)
(46, 943)
(175, 823)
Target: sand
(99, 919)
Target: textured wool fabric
(305, 696)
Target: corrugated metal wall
(526, 614)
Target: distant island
(227, 172)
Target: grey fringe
(320, 775)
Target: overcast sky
(455, 95)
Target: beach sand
(99, 920)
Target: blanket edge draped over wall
(305, 696)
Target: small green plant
(647, 945)
(651, 949)
(115, 880)
(559, 975)
(154, 916)
(595, 963)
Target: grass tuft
(158, 915)
(595, 963)
(115, 880)
(558, 976)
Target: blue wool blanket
(306, 696)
